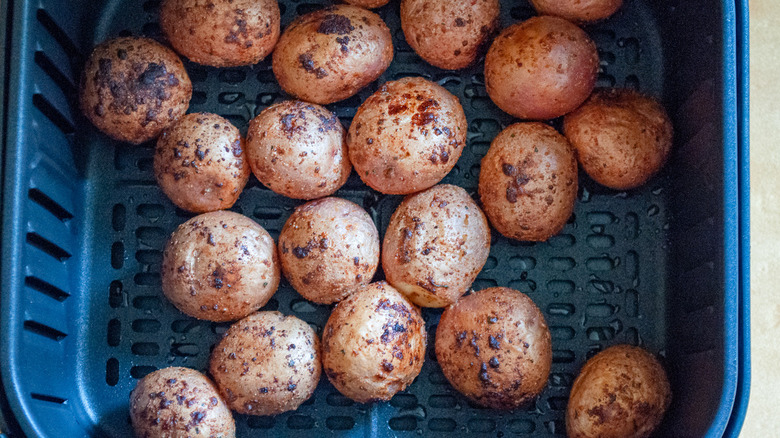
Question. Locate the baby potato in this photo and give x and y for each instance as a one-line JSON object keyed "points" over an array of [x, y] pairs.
{"points": [[435, 245], [220, 266], [221, 33], [449, 34], [407, 136], [622, 392], [622, 138], [132, 88], [494, 347], [373, 344], [266, 364], [370, 4], [581, 11], [199, 163], [298, 150], [528, 182], [330, 54], [174, 402], [541, 68], [329, 248]]}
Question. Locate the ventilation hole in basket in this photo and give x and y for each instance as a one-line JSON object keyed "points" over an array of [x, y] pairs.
{"points": [[563, 356], [522, 263], [407, 422], [442, 401], [116, 295], [340, 423], [560, 309], [442, 424], [219, 328], [114, 333], [605, 81], [62, 38], [56, 75], [267, 213], [46, 288], [558, 287], [145, 349], [48, 247], [300, 422], [561, 380], [117, 255], [632, 82], [190, 326], [601, 286], [405, 401], [151, 6], [299, 305], [521, 426], [146, 326], [562, 333], [600, 241], [53, 114], [150, 279], [266, 77], [49, 204], [256, 422], [145, 164], [48, 398], [481, 425], [523, 285], [232, 76], [437, 377], [601, 310], [152, 30], [562, 241], [555, 427], [562, 263], [631, 337], [521, 13], [150, 212], [602, 263], [230, 98], [44, 330], [606, 57], [557, 403], [146, 302], [184, 349], [112, 371], [151, 237], [150, 257], [338, 400], [599, 334], [141, 371]]}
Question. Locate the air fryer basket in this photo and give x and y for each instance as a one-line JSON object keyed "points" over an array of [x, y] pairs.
{"points": [[84, 225]]}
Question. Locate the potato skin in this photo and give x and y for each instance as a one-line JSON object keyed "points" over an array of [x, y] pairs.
{"points": [[622, 138], [622, 392], [373, 344], [435, 245], [220, 266], [298, 150], [132, 88], [329, 55], [495, 348], [581, 11], [199, 163], [266, 364], [449, 34], [329, 248], [407, 136], [221, 33], [541, 68], [370, 4], [179, 402]]}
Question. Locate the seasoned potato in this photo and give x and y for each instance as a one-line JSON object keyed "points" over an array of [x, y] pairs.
{"points": [[132, 88], [435, 245], [298, 150], [494, 347], [541, 68], [528, 182], [407, 136], [449, 34], [371, 4], [179, 402], [199, 163], [221, 33], [373, 344], [220, 266], [329, 248], [329, 55], [266, 364], [621, 392], [580, 11], [622, 137]]}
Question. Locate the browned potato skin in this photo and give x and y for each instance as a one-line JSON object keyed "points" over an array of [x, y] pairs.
{"points": [[370, 4], [407, 136], [132, 88], [298, 150], [541, 68], [494, 347], [329, 55], [622, 137], [581, 11], [621, 392], [221, 33], [435, 245], [449, 34], [373, 344], [329, 248], [199, 163], [528, 182], [266, 364], [220, 266], [179, 402]]}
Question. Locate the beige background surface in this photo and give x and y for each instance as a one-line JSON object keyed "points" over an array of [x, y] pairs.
{"points": [[763, 418]]}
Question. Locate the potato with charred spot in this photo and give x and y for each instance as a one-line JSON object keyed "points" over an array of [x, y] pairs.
{"points": [[495, 348], [329, 248], [435, 245], [132, 88], [449, 34], [407, 136], [373, 344], [266, 364], [199, 163], [580, 11], [622, 392], [528, 182], [298, 150], [174, 402], [330, 54], [220, 266]]}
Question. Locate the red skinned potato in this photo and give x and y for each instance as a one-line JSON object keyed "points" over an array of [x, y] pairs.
{"points": [[541, 68], [528, 182], [370, 4], [407, 136], [622, 138], [580, 11], [330, 54]]}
